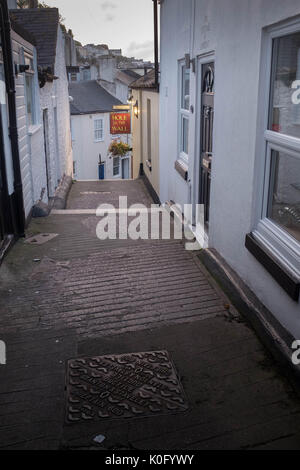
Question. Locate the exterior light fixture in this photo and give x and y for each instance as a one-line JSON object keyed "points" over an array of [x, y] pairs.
{"points": [[136, 109]]}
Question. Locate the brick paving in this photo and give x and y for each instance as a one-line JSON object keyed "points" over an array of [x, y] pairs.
{"points": [[76, 296]]}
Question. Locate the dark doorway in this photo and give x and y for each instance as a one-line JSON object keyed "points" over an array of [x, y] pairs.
{"points": [[207, 121], [47, 150]]}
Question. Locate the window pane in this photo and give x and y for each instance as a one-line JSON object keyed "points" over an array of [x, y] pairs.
{"points": [[116, 166], [98, 126], [185, 88], [284, 198], [185, 135], [284, 114], [29, 98]]}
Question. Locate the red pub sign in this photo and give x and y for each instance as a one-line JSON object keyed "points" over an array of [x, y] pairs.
{"points": [[120, 123]]}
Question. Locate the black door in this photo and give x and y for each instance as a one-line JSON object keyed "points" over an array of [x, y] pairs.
{"points": [[207, 120]]}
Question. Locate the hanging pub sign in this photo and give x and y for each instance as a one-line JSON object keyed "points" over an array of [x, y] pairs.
{"points": [[120, 123]]}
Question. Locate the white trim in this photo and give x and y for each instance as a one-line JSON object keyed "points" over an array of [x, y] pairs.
{"points": [[101, 129], [284, 141], [182, 114], [277, 240], [113, 166]]}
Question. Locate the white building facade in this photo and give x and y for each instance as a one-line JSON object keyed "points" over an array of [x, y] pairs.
{"points": [[221, 143], [91, 106], [91, 139]]}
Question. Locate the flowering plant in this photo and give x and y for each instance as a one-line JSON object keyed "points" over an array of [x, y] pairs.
{"points": [[118, 148]]}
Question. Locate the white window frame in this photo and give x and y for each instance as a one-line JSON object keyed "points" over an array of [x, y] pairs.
{"points": [[278, 241], [113, 166], [182, 114], [97, 129], [30, 74]]}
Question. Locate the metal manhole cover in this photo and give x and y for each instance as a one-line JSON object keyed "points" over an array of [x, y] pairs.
{"points": [[123, 386]]}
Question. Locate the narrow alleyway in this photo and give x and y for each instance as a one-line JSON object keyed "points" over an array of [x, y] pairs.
{"points": [[75, 296]]}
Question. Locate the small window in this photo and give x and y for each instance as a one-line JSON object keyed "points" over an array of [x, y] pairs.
{"points": [[116, 166], [98, 130], [73, 77], [184, 113], [30, 96], [185, 88], [74, 168]]}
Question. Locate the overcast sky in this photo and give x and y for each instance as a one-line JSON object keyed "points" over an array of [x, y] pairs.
{"points": [[125, 24]]}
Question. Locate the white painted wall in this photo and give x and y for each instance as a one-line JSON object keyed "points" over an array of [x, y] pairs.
{"points": [[86, 151], [31, 141], [233, 31], [56, 96]]}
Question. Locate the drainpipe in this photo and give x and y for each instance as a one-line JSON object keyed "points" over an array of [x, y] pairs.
{"points": [[17, 198], [156, 43]]}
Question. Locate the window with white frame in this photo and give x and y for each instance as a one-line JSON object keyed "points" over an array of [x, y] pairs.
{"points": [[184, 111], [116, 166], [98, 130], [279, 227], [30, 91]]}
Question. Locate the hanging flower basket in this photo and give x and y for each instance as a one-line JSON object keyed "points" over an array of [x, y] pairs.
{"points": [[119, 149]]}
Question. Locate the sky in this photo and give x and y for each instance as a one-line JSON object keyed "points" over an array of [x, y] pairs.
{"points": [[122, 24]]}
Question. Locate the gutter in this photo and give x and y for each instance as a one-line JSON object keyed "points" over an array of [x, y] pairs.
{"points": [[17, 198], [155, 13]]}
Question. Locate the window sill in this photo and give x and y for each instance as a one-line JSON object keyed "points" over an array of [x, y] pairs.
{"points": [[182, 169], [285, 279], [34, 129]]}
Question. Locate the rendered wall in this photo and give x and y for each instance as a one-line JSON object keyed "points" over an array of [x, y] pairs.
{"points": [[234, 34]]}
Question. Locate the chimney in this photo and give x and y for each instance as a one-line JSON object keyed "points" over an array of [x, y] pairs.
{"points": [[33, 3]]}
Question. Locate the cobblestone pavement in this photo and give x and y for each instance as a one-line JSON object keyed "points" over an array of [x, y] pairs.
{"points": [[75, 296]]}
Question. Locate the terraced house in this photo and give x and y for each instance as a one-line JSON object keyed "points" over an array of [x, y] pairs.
{"points": [[228, 77]]}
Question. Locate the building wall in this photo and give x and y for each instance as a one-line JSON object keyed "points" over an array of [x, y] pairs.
{"points": [[121, 91], [235, 36], [140, 137], [31, 141], [55, 98], [86, 151]]}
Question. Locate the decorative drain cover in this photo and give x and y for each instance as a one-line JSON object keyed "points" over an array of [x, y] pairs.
{"points": [[123, 386]]}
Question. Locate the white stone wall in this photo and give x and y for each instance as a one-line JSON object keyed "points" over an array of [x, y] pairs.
{"points": [[55, 95], [234, 33]]}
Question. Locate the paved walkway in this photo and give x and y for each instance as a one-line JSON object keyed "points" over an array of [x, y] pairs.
{"points": [[75, 296]]}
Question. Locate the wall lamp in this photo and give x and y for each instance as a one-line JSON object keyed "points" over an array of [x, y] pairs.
{"points": [[136, 109]]}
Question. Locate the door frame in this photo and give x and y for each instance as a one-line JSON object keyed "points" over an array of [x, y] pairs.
{"points": [[202, 59]]}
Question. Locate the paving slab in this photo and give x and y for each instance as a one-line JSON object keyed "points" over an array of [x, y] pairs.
{"points": [[76, 297]]}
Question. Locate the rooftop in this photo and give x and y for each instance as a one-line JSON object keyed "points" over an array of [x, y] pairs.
{"points": [[42, 24], [89, 97], [146, 81]]}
